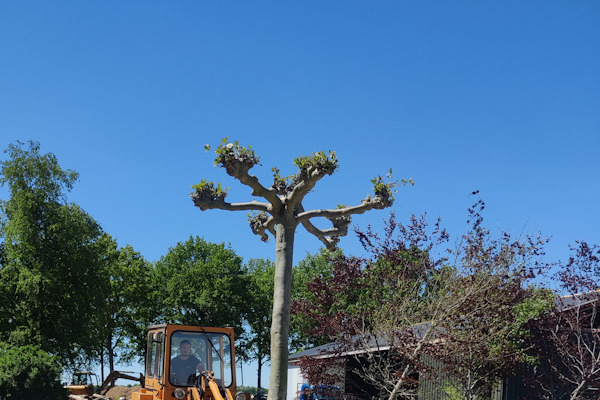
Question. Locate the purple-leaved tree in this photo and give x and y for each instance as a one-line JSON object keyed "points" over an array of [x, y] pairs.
{"points": [[416, 311], [568, 345]]}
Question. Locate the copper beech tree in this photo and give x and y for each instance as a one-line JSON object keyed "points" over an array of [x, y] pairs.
{"points": [[568, 342], [279, 215], [416, 311]]}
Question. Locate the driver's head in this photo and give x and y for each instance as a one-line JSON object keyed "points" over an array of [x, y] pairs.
{"points": [[185, 348]]}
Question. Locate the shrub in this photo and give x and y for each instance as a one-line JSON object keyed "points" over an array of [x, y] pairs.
{"points": [[27, 372]]}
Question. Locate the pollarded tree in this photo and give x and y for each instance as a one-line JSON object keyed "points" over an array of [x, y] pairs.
{"points": [[280, 214]]}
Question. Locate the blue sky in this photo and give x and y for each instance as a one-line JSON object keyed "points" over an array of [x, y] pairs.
{"points": [[501, 97]]}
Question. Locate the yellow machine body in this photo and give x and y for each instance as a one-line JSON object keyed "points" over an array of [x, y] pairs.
{"points": [[213, 347], [82, 383]]}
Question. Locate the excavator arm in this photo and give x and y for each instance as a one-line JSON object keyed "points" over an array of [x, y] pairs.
{"points": [[113, 376], [207, 379]]}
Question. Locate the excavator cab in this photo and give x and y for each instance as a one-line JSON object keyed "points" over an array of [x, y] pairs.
{"points": [[189, 362], [82, 384]]}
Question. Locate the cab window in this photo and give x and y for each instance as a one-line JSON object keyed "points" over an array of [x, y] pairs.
{"points": [[155, 354], [150, 355], [194, 352], [160, 354]]}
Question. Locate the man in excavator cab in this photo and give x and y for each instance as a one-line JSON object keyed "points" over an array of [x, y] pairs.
{"points": [[185, 365]]}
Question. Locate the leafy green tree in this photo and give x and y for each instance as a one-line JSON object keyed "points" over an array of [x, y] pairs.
{"points": [[250, 389], [280, 214], [201, 282], [50, 272], [127, 307], [258, 339], [5, 297], [28, 373]]}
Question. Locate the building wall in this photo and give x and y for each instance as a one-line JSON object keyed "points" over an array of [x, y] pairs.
{"points": [[295, 381], [435, 388]]}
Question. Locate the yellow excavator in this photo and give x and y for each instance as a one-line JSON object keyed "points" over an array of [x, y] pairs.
{"points": [[189, 362], [84, 384]]}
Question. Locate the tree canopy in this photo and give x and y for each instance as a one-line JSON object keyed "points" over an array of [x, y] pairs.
{"points": [[69, 296], [128, 308], [201, 283], [50, 270], [311, 267], [257, 341]]}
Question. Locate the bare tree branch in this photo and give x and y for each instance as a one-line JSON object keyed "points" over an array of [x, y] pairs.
{"points": [[366, 205], [262, 223], [220, 204], [259, 190], [305, 186], [328, 236]]}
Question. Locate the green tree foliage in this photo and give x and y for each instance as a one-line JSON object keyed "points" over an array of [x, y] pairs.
{"points": [[251, 389], [257, 341], [29, 373], [128, 307], [51, 275], [198, 282]]}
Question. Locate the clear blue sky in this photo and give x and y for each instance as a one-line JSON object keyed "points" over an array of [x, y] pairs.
{"points": [[499, 96]]}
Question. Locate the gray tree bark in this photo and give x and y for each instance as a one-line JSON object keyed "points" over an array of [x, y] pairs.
{"points": [[280, 327]]}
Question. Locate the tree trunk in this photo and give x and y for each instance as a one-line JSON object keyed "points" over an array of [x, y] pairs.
{"points": [[260, 363], [280, 326], [102, 364], [111, 355], [402, 380], [577, 391]]}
